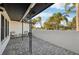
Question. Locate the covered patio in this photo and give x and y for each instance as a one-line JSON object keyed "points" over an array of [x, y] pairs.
{"points": [[28, 42], [20, 13]]}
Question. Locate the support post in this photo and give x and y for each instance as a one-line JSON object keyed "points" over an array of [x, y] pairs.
{"points": [[22, 29], [77, 17], [30, 37]]}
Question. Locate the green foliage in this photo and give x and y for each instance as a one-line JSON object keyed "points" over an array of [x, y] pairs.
{"points": [[36, 20], [73, 23], [48, 26], [54, 21], [70, 9], [39, 21]]}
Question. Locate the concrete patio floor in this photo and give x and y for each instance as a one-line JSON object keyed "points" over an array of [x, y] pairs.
{"points": [[17, 46]]}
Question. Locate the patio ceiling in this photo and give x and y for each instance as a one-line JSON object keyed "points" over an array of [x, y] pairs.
{"points": [[39, 7], [17, 11]]}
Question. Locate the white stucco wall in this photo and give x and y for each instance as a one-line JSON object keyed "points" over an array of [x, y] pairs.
{"points": [[17, 27], [13, 26], [4, 43], [65, 39]]}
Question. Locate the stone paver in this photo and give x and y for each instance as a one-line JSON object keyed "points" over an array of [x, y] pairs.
{"points": [[18, 46]]}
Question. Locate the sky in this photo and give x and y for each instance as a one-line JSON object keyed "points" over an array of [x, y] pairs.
{"points": [[57, 7]]}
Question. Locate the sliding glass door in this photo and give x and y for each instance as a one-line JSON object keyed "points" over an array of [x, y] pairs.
{"points": [[2, 27]]}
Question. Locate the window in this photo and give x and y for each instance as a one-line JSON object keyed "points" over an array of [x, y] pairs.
{"points": [[7, 27], [2, 27]]}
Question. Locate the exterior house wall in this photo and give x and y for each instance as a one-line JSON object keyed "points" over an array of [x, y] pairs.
{"points": [[13, 26], [5, 41], [17, 27]]}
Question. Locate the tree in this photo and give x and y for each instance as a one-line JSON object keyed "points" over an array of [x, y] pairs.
{"points": [[48, 26], [34, 21], [55, 20], [73, 23], [69, 8], [39, 21]]}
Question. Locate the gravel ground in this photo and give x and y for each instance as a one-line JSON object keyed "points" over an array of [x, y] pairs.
{"points": [[17, 46]]}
